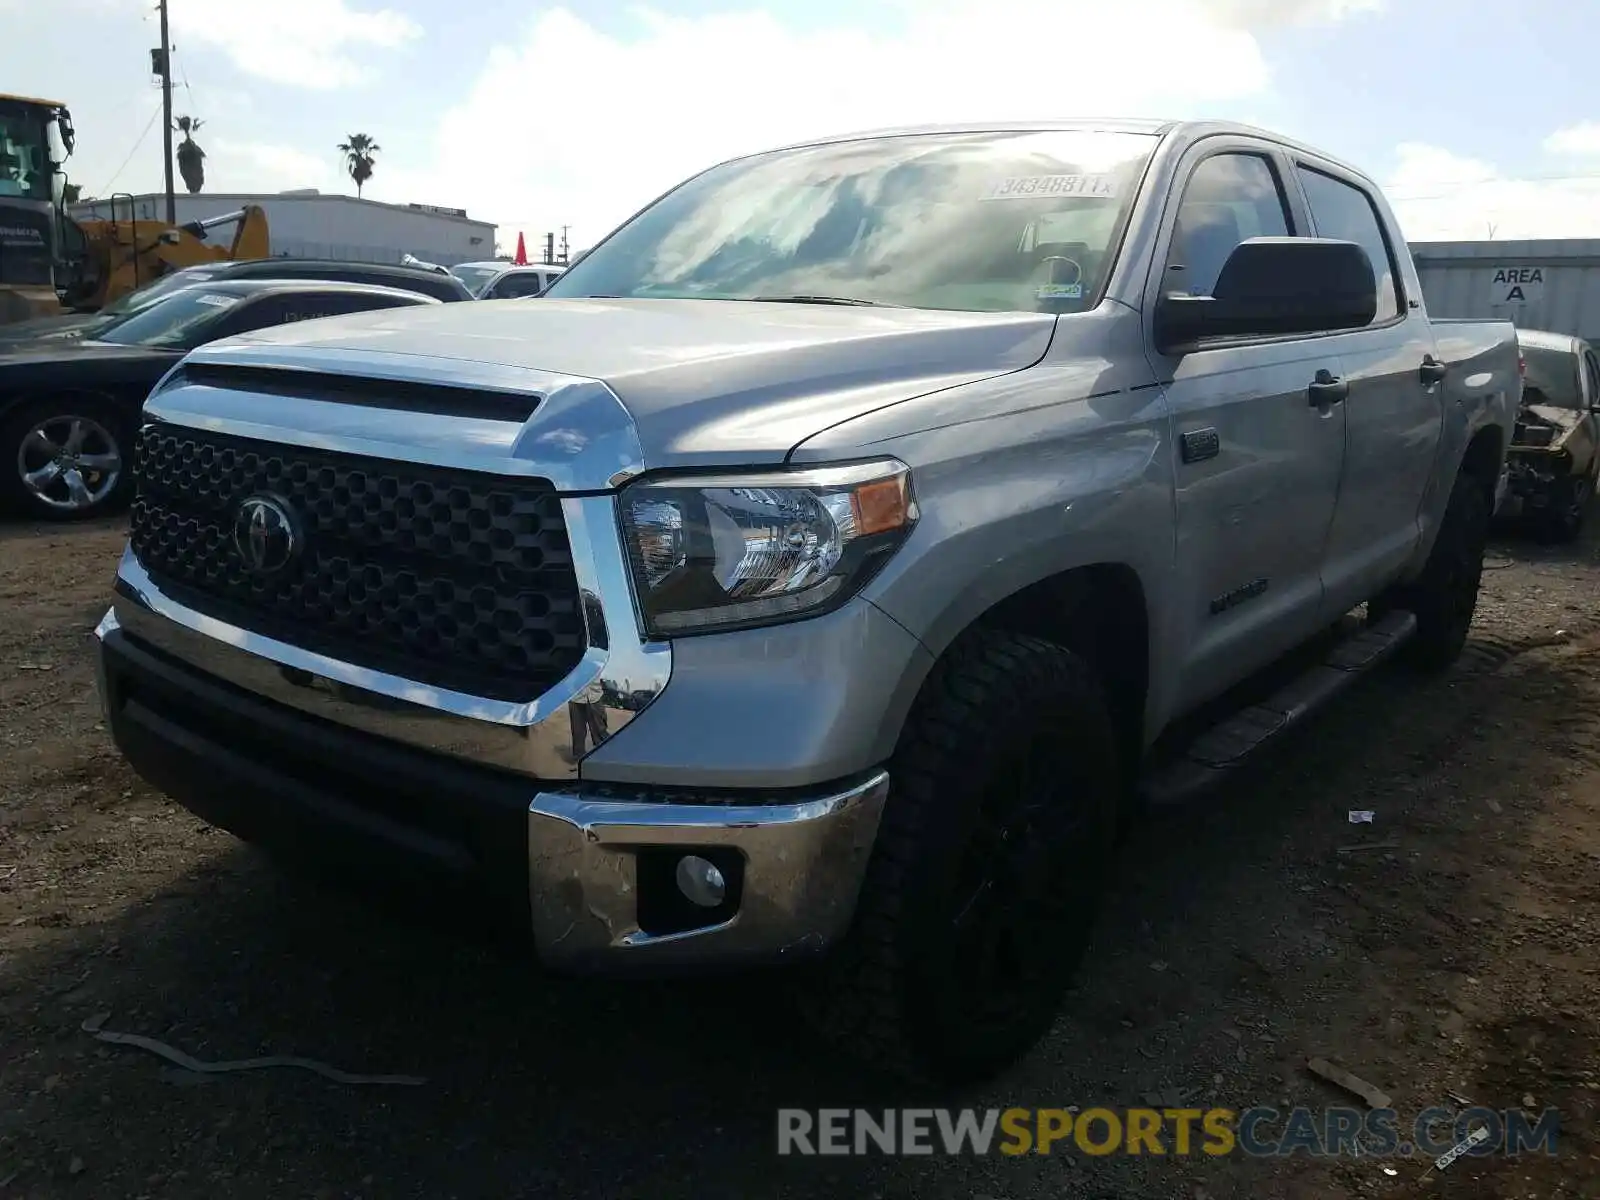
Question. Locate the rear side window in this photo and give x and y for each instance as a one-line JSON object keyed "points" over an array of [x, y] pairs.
{"points": [[334, 305], [1228, 199], [1340, 210]]}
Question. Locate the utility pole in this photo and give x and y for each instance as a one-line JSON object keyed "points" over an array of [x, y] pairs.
{"points": [[564, 245], [164, 62]]}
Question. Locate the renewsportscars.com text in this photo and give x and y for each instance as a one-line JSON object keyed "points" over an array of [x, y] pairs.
{"points": [[1179, 1132]]}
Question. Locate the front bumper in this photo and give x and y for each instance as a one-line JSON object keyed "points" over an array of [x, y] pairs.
{"points": [[590, 868]]}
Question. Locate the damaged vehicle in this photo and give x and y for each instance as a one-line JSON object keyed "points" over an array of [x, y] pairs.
{"points": [[1554, 458]]}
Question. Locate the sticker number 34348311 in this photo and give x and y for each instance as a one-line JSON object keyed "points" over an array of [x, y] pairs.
{"points": [[1026, 187]]}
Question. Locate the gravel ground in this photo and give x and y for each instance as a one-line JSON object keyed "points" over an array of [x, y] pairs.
{"points": [[1240, 942]]}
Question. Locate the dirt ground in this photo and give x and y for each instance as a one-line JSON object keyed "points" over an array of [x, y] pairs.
{"points": [[1243, 939]]}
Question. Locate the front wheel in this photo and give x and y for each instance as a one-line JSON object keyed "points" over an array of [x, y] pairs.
{"points": [[65, 459], [989, 864]]}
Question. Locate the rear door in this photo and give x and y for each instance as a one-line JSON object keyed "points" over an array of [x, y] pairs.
{"points": [[1258, 454], [1395, 409]]}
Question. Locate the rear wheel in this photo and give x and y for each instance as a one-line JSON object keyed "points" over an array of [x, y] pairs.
{"points": [[1445, 596], [989, 864], [66, 458]]}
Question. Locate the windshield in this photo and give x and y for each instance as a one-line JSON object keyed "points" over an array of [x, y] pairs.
{"points": [[178, 320], [475, 277], [988, 222], [130, 302], [1554, 375], [24, 151]]}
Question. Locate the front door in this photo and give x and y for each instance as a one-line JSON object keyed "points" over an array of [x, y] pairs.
{"points": [[1258, 449]]}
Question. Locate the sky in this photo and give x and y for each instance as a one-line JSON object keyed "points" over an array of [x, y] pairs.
{"points": [[536, 115]]}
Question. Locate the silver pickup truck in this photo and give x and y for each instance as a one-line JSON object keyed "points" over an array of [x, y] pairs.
{"points": [[828, 565]]}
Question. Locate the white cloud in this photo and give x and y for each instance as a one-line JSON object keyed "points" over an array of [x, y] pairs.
{"points": [[318, 44], [259, 167], [1582, 140], [573, 124], [1258, 14], [1439, 195]]}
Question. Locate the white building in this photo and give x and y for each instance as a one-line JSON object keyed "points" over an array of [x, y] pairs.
{"points": [[308, 224], [1551, 284]]}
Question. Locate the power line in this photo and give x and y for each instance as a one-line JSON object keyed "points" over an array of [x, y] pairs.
{"points": [[1582, 177], [147, 127]]}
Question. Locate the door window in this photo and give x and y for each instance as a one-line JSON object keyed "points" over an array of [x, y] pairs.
{"points": [[1591, 368], [1228, 199], [1341, 210], [250, 315], [528, 283]]}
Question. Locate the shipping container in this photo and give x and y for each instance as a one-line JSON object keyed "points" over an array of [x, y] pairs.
{"points": [[1549, 284]]}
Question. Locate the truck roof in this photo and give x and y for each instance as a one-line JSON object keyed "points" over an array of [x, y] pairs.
{"points": [[1186, 131], [32, 100]]}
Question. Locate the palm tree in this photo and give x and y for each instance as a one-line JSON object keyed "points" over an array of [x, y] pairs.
{"points": [[191, 159], [359, 152]]}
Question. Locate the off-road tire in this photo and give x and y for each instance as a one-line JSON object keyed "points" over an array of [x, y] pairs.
{"points": [[1445, 596], [1003, 722], [16, 424]]}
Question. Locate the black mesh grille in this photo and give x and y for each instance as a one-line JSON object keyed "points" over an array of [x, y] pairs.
{"points": [[449, 578]]}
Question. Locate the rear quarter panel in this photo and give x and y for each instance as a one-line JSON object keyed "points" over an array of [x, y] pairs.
{"points": [[1481, 393]]}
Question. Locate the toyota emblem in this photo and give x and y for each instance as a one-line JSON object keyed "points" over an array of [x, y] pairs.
{"points": [[266, 534]]}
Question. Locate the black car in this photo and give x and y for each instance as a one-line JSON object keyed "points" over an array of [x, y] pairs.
{"points": [[445, 288], [69, 406]]}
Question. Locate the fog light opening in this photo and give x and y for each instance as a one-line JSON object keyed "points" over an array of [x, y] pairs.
{"points": [[700, 881]]}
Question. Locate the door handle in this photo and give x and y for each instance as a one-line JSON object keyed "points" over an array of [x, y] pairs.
{"points": [[1327, 389], [1432, 370]]}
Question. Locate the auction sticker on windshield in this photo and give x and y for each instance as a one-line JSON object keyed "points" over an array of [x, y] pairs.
{"points": [[1027, 187], [217, 301]]}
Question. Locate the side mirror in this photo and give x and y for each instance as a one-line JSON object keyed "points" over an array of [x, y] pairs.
{"points": [[1275, 285]]}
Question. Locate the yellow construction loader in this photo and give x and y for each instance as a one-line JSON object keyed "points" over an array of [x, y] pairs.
{"points": [[50, 263], [120, 253]]}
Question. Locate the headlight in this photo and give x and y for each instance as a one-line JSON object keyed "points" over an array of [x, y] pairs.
{"points": [[719, 552]]}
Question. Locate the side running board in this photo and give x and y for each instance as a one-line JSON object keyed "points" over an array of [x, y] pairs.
{"points": [[1217, 751]]}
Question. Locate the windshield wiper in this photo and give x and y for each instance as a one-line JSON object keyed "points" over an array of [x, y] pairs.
{"points": [[823, 300]]}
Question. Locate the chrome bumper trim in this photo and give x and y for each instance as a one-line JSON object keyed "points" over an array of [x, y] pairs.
{"points": [[803, 866], [544, 737]]}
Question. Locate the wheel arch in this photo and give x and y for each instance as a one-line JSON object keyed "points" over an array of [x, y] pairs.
{"points": [[1099, 611]]}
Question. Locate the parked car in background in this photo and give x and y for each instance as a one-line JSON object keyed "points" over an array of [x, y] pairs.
{"points": [[69, 407], [1554, 463], [477, 274], [519, 282], [441, 287], [827, 565]]}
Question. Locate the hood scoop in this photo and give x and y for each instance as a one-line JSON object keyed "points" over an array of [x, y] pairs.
{"points": [[401, 395]]}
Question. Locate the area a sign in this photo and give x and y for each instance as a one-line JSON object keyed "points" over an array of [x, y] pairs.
{"points": [[1517, 285]]}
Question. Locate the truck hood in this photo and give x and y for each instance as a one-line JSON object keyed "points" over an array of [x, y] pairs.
{"points": [[706, 382]]}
